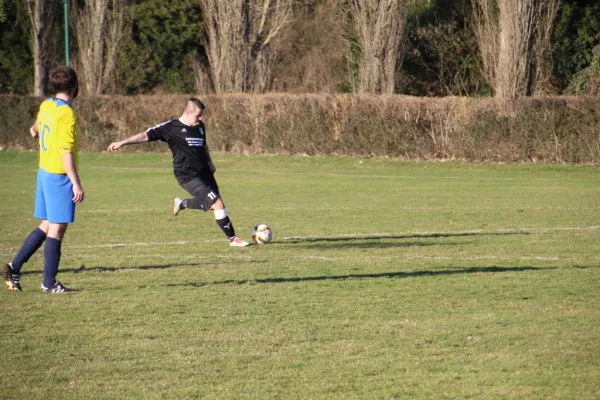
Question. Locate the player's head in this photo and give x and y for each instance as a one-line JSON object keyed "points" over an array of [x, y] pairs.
{"points": [[194, 111], [64, 80]]}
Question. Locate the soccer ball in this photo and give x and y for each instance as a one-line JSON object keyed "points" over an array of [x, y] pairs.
{"points": [[262, 234]]}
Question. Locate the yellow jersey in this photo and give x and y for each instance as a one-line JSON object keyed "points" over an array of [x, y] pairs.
{"points": [[58, 131]]}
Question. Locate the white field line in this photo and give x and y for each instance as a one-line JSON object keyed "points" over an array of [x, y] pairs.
{"points": [[167, 210], [135, 244], [345, 235], [242, 257], [115, 245], [239, 256], [442, 177]]}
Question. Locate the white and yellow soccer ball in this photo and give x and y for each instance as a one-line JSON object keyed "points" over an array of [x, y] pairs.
{"points": [[262, 234]]}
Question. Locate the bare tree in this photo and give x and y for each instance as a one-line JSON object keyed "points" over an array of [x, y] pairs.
{"points": [[380, 27], [514, 41], [542, 48], [224, 43], [312, 54], [486, 17], [100, 27], [42, 14], [239, 35]]}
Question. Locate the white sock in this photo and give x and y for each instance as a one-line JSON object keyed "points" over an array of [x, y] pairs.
{"points": [[220, 214]]}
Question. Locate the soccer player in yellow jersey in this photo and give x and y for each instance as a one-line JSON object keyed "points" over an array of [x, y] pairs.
{"points": [[58, 186]]}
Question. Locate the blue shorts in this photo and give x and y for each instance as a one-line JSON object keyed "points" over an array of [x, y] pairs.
{"points": [[54, 198]]}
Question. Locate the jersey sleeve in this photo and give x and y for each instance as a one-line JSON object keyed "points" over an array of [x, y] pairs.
{"points": [[159, 132], [67, 131]]}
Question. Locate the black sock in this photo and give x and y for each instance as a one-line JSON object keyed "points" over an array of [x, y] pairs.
{"points": [[226, 226], [31, 244], [51, 261]]}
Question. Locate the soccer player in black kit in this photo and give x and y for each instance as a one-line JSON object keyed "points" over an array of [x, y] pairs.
{"points": [[192, 164]]}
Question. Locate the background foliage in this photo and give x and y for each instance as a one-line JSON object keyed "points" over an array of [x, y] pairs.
{"points": [[316, 53], [576, 33], [16, 67], [166, 38], [552, 129], [443, 59]]}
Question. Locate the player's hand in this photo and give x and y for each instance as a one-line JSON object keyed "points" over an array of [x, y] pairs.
{"points": [[114, 146], [78, 193], [33, 132]]}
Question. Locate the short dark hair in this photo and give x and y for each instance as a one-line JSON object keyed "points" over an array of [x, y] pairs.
{"points": [[63, 79], [197, 102]]}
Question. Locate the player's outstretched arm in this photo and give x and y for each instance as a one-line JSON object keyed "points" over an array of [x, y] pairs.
{"points": [[135, 139]]}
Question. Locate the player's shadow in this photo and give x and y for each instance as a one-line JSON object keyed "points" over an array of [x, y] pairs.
{"points": [[83, 268], [433, 235], [381, 275], [385, 241], [372, 243]]}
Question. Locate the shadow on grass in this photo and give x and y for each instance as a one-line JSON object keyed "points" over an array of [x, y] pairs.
{"points": [[83, 268], [386, 241], [473, 270], [410, 236], [373, 243]]}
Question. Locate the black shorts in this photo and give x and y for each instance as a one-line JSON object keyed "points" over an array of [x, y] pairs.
{"points": [[205, 191]]}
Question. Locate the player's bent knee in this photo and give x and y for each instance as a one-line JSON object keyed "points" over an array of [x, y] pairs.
{"points": [[217, 205], [45, 226], [57, 231]]}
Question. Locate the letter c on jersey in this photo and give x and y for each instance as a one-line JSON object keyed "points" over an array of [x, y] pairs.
{"points": [[44, 130]]}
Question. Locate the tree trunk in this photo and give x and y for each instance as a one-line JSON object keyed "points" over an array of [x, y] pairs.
{"points": [[380, 27], [514, 41], [40, 70], [513, 77], [41, 16], [100, 26], [238, 42]]}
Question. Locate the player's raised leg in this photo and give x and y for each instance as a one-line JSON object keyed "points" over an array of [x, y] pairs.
{"points": [[192, 204], [177, 205], [226, 225]]}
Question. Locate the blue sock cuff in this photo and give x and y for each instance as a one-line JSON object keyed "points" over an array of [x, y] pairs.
{"points": [[39, 234]]}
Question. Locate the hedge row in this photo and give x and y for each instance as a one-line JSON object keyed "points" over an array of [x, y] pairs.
{"points": [[549, 129]]}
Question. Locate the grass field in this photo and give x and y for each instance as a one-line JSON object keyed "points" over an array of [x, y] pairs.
{"points": [[386, 280]]}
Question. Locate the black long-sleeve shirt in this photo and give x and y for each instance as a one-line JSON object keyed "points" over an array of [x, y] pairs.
{"points": [[188, 145]]}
